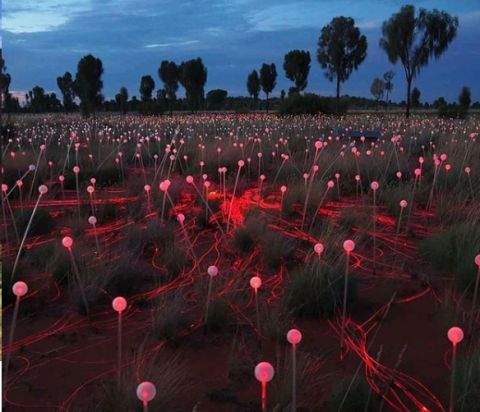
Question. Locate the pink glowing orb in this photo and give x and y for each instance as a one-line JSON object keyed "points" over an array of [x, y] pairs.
{"points": [[212, 271], [477, 260], [42, 189], [76, 169], [349, 246], [181, 218], [448, 167], [207, 184], [31, 168], [403, 203], [374, 186], [146, 392], [166, 184], [241, 163], [421, 160], [399, 175], [264, 372], [19, 183], [119, 304], [418, 172], [255, 282], [19, 289], [4, 188], [318, 248], [92, 220], [318, 144], [61, 178], [189, 179], [93, 181], [330, 184], [337, 176], [67, 242], [283, 189], [467, 170], [315, 168], [443, 157], [90, 189], [357, 178], [294, 336], [305, 176], [262, 177], [455, 335], [147, 188]]}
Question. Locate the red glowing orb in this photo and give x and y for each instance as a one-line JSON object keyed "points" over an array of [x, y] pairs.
{"points": [[19, 289], [67, 242], [349, 246], [264, 372], [212, 271], [294, 336], [146, 391], [119, 304], [255, 282], [455, 335]]}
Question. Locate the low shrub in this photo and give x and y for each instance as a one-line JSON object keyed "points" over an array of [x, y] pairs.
{"points": [[310, 103]]}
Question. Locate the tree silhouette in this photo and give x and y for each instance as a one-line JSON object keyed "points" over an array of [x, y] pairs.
{"points": [[5, 80], [387, 79], [168, 73], [216, 99], [40, 102], [147, 84], [464, 99], [88, 84], [414, 40], [341, 49], [253, 86], [193, 76], [377, 89], [297, 66], [65, 84], [268, 78], [415, 97], [122, 100]]}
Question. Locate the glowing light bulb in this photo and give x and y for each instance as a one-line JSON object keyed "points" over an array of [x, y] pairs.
{"points": [[181, 218], [146, 391], [418, 172], [42, 189], [255, 282], [330, 184], [455, 335], [241, 163], [294, 336], [318, 248], [67, 242], [349, 246], [119, 304], [92, 220], [90, 189], [374, 186], [20, 289], [283, 189], [76, 170], [189, 179], [212, 271], [147, 188], [264, 372], [403, 203]]}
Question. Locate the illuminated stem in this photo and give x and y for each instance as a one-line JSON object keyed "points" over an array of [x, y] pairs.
{"points": [[119, 349], [452, 379], [264, 396], [24, 237], [10, 337], [294, 378], [209, 294], [344, 310], [233, 196], [79, 281], [374, 231], [474, 303]]}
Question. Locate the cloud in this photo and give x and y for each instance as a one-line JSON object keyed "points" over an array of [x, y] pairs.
{"points": [[171, 44]]}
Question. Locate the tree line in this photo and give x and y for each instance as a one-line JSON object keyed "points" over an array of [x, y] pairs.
{"points": [[409, 37]]}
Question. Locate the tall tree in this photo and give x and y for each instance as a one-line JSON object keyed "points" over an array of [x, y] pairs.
{"points": [[122, 100], [193, 76], [415, 97], [168, 73], [341, 49], [464, 99], [377, 89], [297, 66], [65, 84], [147, 84], [5, 80], [415, 39], [216, 99], [268, 78], [387, 79], [88, 84], [253, 86]]}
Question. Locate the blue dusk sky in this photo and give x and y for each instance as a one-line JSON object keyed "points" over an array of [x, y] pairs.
{"points": [[44, 38]]}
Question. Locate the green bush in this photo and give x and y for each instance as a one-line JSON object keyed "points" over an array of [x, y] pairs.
{"points": [[454, 251], [357, 398], [317, 290], [310, 103]]}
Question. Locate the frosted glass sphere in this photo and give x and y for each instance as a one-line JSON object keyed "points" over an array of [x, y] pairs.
{"points": [[255, 282], [212, 271], [349, 245], [264, 372], [294, 336], [146, 392], [119, 304], [455, 335], [20, 289]]}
